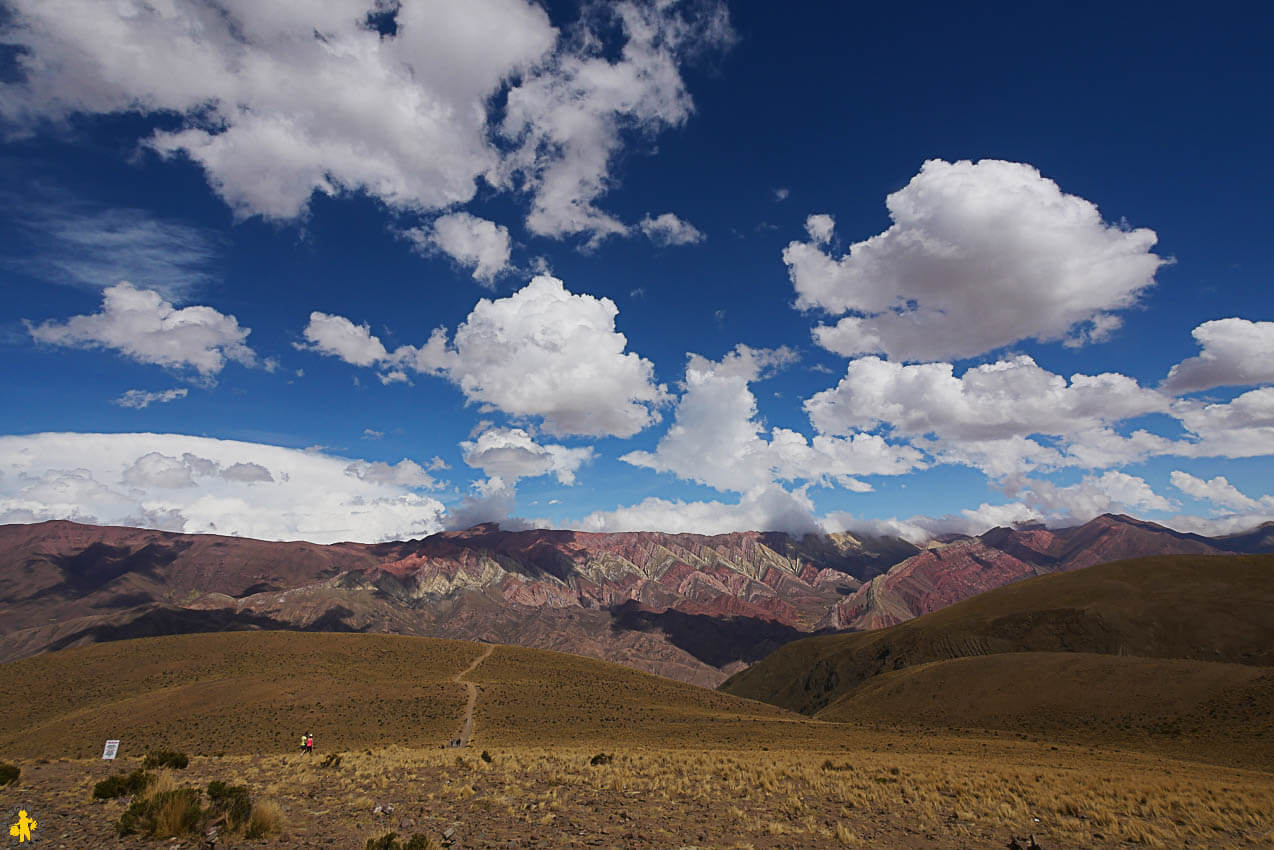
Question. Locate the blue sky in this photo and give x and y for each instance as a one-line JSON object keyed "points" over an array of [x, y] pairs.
{"points": [[694, 266]]}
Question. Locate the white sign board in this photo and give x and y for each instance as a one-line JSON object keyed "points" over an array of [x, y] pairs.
{"points": [[112, 747]]}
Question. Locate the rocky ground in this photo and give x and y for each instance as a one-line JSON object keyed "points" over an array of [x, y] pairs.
{"points": [[885, 790]]}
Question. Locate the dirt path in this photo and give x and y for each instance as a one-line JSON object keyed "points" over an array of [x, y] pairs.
{"points": [[466, 727]]}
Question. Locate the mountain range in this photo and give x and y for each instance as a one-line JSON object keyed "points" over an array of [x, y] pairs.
{"points": [[693, 607]]}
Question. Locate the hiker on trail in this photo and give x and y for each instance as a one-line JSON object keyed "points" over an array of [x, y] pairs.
{"points": [[309, 744], [303, 739]]}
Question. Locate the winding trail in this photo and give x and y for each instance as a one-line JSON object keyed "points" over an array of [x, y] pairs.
{"points": [[466, 726]]}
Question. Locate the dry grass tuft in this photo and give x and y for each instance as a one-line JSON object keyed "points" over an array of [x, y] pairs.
{"points": [[267, 818]]}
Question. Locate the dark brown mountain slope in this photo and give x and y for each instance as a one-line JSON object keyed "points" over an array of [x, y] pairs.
{"points": [[1201, 608]]}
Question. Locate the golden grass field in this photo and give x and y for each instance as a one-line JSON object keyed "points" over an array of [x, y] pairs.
{"points": [[691, 767]]}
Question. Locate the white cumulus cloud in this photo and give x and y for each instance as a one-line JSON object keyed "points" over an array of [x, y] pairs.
{"points": [[542, 352], [979, 256], [569, 120], [512, 453], [474, 243], [988, 416], [1241, 427], [140, 324], [1111, 491], [1236, 352], [770, 508], [278, 101], [716, 437], [667, 230], [1220, 492]]}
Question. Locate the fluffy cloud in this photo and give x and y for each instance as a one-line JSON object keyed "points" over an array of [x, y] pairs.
{"points": [[667, 229], [769, 508], [139, 399], [986, 417], [279, 101], [568, 121], [979, 255], [140, 324], [541, 352], [1095, 495], [1241, 427], [511, 453], [339, 337], [1235, 352], [492, 500], [1219, 491], [473, 242], [203, 485], [716, 436], [405, 473], [921, 529]]}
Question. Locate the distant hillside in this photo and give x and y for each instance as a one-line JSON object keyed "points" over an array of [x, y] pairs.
{"points": [[965, 567], [692, 607], [257, 692], [1195, 709], [1199, 608], [1170, 654]]}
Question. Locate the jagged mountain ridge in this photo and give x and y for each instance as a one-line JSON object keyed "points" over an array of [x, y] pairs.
{"points": [[693, 607], [943, 575]]}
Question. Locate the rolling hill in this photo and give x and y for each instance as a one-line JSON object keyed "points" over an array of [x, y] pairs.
{"points": [[257, 692], [1172, 653]]}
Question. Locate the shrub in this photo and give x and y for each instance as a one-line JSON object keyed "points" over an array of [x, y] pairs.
{"points": [[231, 800], [266, 819], [166, 758], [602, 758], [389, 841], [486, 756], [165, 815], [120, 785], [9, 773], [332, 760]]}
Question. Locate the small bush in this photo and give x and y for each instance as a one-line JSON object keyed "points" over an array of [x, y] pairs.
{"points": [[332, 760], [165, 815], [120, 785], [389, 841], [233, 801], [266, 819], [166, 758], [486, 756], [602, 758], [9, 773]]}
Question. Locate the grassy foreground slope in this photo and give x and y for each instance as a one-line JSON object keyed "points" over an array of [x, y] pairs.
{"points": [[233, 692], [257, 692], [1189, 607]]}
